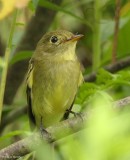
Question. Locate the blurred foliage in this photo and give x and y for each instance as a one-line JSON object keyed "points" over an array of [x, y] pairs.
{"points": [[106, 137], [107, 133], [8, 6]]}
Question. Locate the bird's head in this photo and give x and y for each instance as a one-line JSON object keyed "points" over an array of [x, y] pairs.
{"points": [[58, 42]]}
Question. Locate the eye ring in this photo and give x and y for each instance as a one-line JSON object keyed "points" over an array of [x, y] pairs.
{"points": [[54, 39]]}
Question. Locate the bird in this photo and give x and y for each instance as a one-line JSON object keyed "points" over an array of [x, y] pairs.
{"points": [[53, 78]]}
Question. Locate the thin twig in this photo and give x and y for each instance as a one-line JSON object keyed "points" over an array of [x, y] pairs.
{"points": [[123, 63], [12, 116], [117, 18]]}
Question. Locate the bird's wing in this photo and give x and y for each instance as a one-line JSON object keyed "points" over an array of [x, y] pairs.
{"points": [[81, 80], [29, 81]]}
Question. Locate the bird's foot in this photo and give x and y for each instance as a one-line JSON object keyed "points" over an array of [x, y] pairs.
{"points": [[74, 113]]}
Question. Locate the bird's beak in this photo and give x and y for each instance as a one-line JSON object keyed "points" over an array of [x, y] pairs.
{"points": [[75, 37]]}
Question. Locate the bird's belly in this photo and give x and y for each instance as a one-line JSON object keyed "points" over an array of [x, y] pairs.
{"points": [[55, 95], [52, 106]]}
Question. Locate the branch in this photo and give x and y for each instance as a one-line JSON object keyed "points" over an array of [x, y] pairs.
{"points": [[62, 129], [58, 131], [121, 64], [121, 103]]}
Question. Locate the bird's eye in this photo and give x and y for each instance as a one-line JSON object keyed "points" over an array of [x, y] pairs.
{"points": [[54, 39]]}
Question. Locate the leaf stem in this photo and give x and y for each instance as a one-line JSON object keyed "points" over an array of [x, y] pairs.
{"points": [[6, 62], [115, 38], [97, 35]]}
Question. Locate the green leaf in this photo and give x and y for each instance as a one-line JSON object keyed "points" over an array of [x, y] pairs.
{"points": [[19, 24], [123, 77], [123, 46], [124, 39], [85, 91], [21, 56], [106, 80], [35, 3], [11, 134], [107, 33], [104, 77], [55, 7]]}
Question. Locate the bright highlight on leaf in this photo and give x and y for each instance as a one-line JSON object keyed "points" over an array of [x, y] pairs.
{"points": [[125, 9], [7, 6]]}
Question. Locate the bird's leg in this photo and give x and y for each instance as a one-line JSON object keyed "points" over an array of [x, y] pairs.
{"points": [[44, 132], [42, 129], [68, 111]]}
